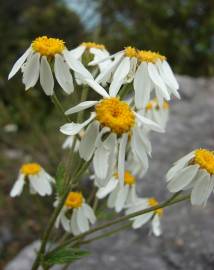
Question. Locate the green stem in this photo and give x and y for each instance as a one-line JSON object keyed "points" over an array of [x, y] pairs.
{"points": [[48, 231], [60, 108], [124, 218], [53, 218], [104, 235]]}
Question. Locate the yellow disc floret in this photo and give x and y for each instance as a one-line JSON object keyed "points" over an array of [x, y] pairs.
{"points": [[153, 104], [130, 52], [129, 179], [205, 159], [74, 200], [48, 46], [30, 169], [149, 56], [90, 45], [115, 114], [153, 202]]}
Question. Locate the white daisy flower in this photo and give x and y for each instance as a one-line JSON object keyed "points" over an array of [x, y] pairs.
{"points": [[97, 52], [194, 171], [119, 195], [39, 180], [36, 64], [155, 112], [148, 70], [153, 216], [76, 215], [108, 130]]}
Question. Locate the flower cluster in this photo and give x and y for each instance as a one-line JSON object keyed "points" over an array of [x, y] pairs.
{"points": [[113, 135]]}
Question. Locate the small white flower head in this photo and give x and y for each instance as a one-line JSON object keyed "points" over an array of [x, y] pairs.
{"points": [[37, 61], [39, 180], [153, 216], [107, 135], [155, 112], [76, 215], [92, 51], [194, 171], [148, 70], [119, 196]]}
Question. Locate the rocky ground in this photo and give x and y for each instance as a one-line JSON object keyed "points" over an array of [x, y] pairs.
{"points": [[188, 239]]}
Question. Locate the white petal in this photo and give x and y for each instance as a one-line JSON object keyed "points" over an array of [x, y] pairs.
{"points": [[65, 222], [89, 213], [106, 73], [74, 226], [174, 170], [119, 75], [76, 65], [63, 75], [121, 198], [142, 86], [74, 128], [18, 186], [141, 220], [46, 77], [31, 71], [82, 221], [156, 226], [87, 144], [121, 158], [100, 161], [40, 184], [98, 88], [81, 106], [116, 55], [112, 197], [159, 96], [143, 139], [169, 75], [77, 52], [183, 178], [151, 124], [186, 158], [155, 77], [104, 191], [138, 148], [19, 63], [132, 196], [202, 189]]}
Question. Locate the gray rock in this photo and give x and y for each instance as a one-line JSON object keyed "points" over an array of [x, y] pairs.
{"points": [[188, 239]]}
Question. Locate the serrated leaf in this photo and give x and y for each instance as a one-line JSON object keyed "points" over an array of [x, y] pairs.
{"points": [[64, 255], [60, 173]]}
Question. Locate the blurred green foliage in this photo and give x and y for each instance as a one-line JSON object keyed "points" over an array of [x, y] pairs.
{"points": [[183, 30]]}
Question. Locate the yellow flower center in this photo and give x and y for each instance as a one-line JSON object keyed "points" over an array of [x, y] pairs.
{"points": [[48, 46], [149, 56], [115, 114], [30, 169], [130, 52], [74, 200], [153, 202], [205, 159], [153, 104], [90, 45], [129, 179]]}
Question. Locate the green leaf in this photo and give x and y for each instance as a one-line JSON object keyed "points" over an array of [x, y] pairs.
{"points": [[60, 173], [64, 255]]}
